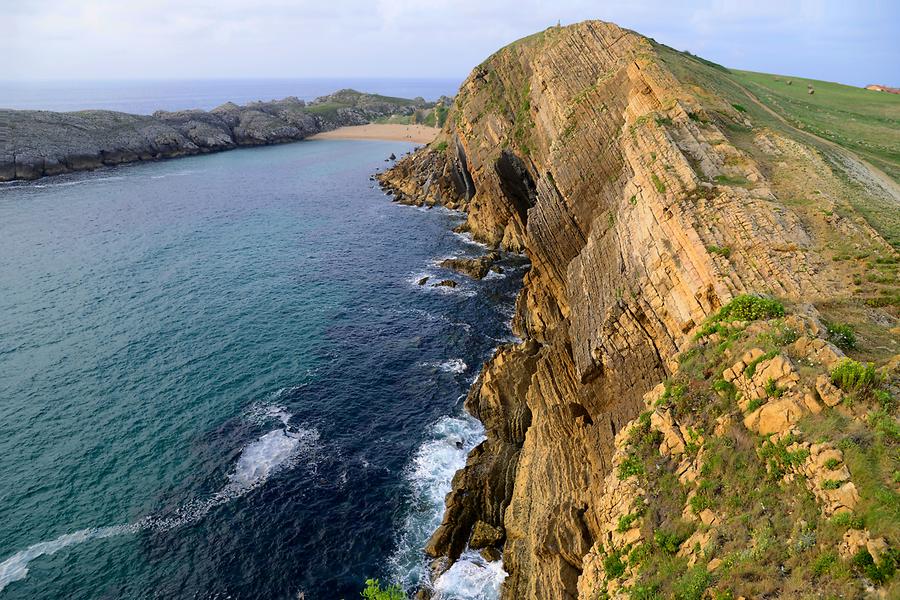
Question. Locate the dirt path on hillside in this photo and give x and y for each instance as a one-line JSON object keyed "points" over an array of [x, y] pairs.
{"points": [[867, 174]]}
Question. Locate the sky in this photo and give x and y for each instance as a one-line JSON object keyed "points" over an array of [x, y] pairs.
{"points": [[850, 41]]}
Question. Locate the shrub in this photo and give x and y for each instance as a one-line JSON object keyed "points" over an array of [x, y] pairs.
{"points": [[739, 108], [841, 335], [823, 563], [772, 390], [644, 591], [632, 465], [613, 565], [848, 520], [703, 498], [374, 591], [886, 400], [670, 541], [831, 484], [862, 562], [672, 394], [638, 554], [751, 308], [440, 147], [754, 404], [778, 458], [660, 186], [853, 376], [832, 463], [731, 180], [692, 585], [720, 250], [725, 388], [626, 521]]}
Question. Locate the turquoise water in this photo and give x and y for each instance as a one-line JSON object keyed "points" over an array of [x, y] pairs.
{"points": [[218, 378]]}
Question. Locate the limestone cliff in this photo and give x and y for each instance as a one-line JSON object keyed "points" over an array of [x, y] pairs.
{"points": [[646, 201], [38, 143]]}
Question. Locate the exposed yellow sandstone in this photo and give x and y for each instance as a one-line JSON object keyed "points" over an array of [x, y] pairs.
{"points": [[641, 218]]}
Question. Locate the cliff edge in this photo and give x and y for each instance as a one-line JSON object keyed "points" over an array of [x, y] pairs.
{"points": [[653, 198]]}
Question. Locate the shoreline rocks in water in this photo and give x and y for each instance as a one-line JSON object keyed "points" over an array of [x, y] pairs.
{"points": [[35, 143], [476, 268]]}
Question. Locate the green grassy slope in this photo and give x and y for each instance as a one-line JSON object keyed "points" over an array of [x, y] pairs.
{"points": [[864, 121]]}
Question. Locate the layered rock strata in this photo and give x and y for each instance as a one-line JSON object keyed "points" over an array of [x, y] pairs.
{"points": [[580, 147]]}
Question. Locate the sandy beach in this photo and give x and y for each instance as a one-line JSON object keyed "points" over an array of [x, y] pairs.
{"points": [[374, 131]]}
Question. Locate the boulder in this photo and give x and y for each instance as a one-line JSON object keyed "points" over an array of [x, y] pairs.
{"points": [[484, 535]]}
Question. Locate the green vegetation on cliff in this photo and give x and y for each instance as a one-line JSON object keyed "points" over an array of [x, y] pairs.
{"points": [[746, 522], [375, 591], [665, 208]]}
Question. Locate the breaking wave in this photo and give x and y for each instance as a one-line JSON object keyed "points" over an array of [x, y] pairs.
{"points": [[470, 578], [428, 476], [454, 365], [272, 452]]}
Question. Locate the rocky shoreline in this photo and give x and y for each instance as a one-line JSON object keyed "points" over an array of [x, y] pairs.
{"points": [[643, 216], [35, 144]]}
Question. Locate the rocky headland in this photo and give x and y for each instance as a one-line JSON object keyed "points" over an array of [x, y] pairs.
{"points": [[687, 413], [34, 144]]}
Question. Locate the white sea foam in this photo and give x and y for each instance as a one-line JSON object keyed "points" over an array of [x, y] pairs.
{"points": [[77, 182], [272, 452], [467, 238], [433, 279], [15, 567], [415, 278], [470, 578], [261, 412], [454, 365], [429, 476]]}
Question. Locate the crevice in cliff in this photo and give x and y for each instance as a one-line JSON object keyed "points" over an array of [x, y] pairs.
{"points": [[462, 178], [516, 183]]}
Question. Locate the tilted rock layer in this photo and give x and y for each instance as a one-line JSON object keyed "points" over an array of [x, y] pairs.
{"points": [[581, 148]]}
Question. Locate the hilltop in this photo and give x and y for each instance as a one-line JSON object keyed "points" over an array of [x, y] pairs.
{"points": [[704, 400]]}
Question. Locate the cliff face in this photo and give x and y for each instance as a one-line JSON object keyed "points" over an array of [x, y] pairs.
{"points": [[38, 143], [581, 147]]}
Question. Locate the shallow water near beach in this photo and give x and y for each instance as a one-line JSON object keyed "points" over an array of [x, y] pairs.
{"points": [[220, 379]]}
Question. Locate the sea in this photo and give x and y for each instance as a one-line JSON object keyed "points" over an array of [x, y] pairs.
{"points": [[146, 96], [220, 379]]}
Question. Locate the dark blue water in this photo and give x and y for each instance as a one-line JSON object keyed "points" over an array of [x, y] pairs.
{"points": [[144, 97], [218, 378]]}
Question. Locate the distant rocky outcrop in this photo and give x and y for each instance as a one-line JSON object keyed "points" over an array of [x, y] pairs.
{"points": [[38, 143]]}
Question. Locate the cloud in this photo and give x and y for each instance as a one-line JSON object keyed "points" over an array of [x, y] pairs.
{"points": [[300, 38]]}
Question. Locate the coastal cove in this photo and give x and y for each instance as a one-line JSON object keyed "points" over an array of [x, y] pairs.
{"points": [[224, 378]]}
